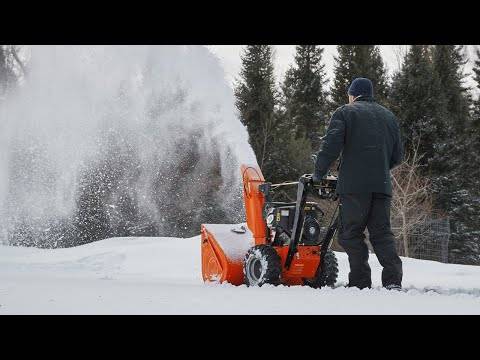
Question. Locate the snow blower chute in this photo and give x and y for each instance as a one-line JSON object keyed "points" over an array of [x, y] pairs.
{"points": [[282, 242]]}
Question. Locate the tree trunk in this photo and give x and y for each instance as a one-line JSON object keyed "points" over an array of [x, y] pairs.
{"points": [[405, 235]]}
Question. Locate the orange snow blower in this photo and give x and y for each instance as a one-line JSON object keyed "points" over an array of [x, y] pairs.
{"points": [[284, 242]]}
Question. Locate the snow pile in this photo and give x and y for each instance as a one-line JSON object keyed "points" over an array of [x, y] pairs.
{"points": [[163, 276], [234, 245]]}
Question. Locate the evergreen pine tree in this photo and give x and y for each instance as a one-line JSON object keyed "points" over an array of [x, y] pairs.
{"points": [[472, 136], [448, 63], [292, 154], [255, 99], [415, 99], [451, 167], [355, 61], [432, 104], [476, 104], [305, 99], [463, 181]]}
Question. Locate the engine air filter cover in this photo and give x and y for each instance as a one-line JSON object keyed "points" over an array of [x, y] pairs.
{"points": [[311, 231]]}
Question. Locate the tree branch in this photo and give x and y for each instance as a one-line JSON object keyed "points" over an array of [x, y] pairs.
{"points": [[14, 53]]}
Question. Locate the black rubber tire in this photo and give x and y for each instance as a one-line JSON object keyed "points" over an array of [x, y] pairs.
{"points": [[262, 265], [327, 273]]}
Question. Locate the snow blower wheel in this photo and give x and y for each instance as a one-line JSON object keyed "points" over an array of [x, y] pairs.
{"points": [[262, 265], [327, 273]]}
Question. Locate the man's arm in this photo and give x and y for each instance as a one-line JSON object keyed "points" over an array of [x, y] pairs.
{"points": [[397, 153], [332, 145]]}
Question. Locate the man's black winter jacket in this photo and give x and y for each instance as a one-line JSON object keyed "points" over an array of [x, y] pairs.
{"points": [[368, 137]]}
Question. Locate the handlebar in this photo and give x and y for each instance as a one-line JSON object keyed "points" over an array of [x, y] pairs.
{"points": [[325, 188]]}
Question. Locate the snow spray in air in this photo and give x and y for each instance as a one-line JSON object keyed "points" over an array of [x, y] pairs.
{"points": [[105, 141]]}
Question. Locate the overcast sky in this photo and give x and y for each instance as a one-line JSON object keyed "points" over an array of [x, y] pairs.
{"points": [[229, 56]]}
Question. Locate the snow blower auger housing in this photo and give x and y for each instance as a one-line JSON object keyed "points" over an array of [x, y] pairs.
{"points": [[284, 243]]}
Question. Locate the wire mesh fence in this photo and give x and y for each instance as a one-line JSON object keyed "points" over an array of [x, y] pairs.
{"points": [[427, 240]]}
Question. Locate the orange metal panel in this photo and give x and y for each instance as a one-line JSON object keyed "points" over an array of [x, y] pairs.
{"points": [[252, 177], [216, 266], [304, 264]]}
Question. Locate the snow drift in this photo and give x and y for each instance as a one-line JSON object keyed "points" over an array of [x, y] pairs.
{"points": [[163, 276]]}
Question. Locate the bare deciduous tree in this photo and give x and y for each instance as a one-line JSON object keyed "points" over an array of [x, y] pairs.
{"points": [[412, 200]]}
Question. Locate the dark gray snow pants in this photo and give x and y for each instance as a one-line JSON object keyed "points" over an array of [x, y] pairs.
{"points": [[372, 211]]}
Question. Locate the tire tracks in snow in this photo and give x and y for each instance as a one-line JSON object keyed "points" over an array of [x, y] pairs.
{"points": [[428, 290]]}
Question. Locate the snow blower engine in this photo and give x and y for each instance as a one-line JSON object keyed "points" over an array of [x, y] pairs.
{"points": [[285, 242]]}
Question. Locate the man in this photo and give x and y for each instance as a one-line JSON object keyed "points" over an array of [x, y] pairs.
{"points": [[368, 137]]}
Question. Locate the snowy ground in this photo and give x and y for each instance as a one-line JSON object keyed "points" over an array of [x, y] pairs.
{"points": [[163, 276]]}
